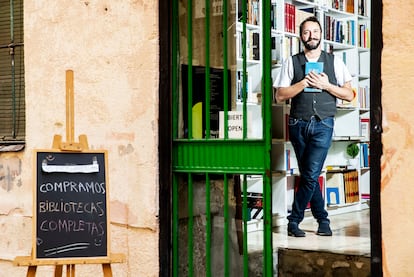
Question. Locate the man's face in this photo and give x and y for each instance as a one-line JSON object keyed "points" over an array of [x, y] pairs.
{"points": [[311, 35]]}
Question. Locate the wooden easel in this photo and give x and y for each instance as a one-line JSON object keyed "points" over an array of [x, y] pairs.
{"points": [[69, 263], [69, 145]]}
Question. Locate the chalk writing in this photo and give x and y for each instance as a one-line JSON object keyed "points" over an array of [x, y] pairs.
{"points": [[71, 207], [93, 228], [66, 248], [72, 186], [71, 210]]}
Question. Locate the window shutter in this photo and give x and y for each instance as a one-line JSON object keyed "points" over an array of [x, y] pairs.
{"points": [[12, 88]]}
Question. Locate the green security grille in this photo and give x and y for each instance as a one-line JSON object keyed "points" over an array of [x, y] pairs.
{"points": [[220, 156], [203, 45]]}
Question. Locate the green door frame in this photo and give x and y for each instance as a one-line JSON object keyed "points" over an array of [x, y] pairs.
{"points": [[166, 138]]}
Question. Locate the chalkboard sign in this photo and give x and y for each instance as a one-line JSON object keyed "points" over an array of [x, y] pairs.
{"points": [[71, 205]]}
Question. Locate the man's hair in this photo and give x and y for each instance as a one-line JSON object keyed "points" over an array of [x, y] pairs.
{"points": [[312, 19]]}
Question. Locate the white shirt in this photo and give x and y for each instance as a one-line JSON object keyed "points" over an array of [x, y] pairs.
{"points": [[285, 75]]}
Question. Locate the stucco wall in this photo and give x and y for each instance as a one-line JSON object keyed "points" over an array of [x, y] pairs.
{"points": [[397, 189], [112, 47]]}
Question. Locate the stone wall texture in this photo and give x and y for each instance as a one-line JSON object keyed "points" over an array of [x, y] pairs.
{"points": [[397, 162], [112, 48]]}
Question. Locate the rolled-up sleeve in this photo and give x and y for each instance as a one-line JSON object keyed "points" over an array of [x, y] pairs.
{"points": [[285, 76], [341, 72]]}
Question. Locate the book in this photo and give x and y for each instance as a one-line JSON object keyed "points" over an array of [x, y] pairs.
{"points": [[255, 205], [335, 189], [255, 46], [316, 67], [351, 186], [365, 159], [364, 128], [290, 15]]}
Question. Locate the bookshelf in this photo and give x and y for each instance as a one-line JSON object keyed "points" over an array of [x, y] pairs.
{"points": [[346, 25]]}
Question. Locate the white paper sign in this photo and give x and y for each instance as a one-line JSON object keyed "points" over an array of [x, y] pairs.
{"points": [[234, 124]]}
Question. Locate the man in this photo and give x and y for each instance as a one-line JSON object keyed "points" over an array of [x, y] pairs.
{"points": [[311, 119]]}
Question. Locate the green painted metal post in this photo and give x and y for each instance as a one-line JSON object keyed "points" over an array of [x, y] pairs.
{"points": [[190, 233], [190, 67], [244, 217], [175, 70], [175, 233], [207, 76], [226, 227], [225, 65], [267, 135], [208, 226], [207, 156], [244, 65]]}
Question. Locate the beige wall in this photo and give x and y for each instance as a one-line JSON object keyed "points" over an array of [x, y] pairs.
{"points": [[397, 189], [112, 47]]}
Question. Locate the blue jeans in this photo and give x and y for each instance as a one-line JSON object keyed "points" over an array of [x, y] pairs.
{"points": [[311, 141]]}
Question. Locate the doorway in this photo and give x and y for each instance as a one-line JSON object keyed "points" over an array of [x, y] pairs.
{"points": [[166, 152]]}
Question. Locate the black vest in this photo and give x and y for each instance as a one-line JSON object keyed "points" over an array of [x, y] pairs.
{"points": [[307, 104]]}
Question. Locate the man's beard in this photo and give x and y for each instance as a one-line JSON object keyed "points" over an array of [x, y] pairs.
{"points": [[310, 46]]}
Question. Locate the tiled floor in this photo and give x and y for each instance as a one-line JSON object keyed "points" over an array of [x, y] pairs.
{"points": [[351, 235]]}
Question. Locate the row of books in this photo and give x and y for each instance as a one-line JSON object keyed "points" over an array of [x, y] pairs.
{"points": [[252, 11], [363, 96], [342, 187], [335, 30], [252, 45], [291, 46], [241, 83], [294, 16], [363, 36], [361, 99], [343, 5], [290, 17], [362, 8], [341, 31]]}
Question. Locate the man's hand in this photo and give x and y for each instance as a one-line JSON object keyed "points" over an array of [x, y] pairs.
{"points": [[321, 81], [316, 80]]}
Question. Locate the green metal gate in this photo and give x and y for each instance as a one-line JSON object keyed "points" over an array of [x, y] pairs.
{"points": [[211, 168]]}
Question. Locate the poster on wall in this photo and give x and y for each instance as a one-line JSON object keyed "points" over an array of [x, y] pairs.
{"points": [[199, 99]]}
